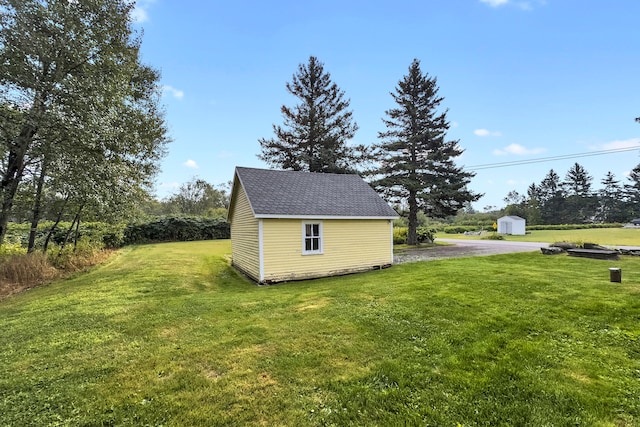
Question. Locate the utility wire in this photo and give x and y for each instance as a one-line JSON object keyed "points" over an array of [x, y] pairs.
{"points": [[548, 159]]}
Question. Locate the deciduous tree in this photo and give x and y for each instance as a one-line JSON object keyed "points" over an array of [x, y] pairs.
{"points": [[78, 101]]}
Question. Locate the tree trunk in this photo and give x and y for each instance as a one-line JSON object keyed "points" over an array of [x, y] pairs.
{"points": [[75, 237], [16, 162], [37, 207], [54, 226], [73, 223], [412, 235]]}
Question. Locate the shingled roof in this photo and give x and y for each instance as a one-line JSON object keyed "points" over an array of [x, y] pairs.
{"points": [[275, 193]]}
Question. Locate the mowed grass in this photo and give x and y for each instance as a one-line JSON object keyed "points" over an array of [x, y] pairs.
{"points": [[601, 236], [170, 335]]}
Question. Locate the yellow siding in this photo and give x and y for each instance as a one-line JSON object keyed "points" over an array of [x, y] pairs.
{"points": [[245, 253], [348, 246]]}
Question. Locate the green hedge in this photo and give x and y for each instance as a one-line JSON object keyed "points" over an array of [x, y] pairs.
{"points": [[572, 226], [425, 234], [459, 229], [98, 233], [176, 229], [105, 235]]}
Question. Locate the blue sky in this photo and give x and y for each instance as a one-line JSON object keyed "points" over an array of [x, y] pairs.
{"points": [[522, 80]]}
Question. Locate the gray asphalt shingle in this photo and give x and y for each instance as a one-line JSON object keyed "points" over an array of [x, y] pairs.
{"points": [[293, 193]]}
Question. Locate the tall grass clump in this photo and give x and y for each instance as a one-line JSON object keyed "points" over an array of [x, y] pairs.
{"points": [[22, 271]]}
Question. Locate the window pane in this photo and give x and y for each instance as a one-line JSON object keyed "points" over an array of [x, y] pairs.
{"points": [[316, 230], [316, 244], [307, 244], [307, 230]]}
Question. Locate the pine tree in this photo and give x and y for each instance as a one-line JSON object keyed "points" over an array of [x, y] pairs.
{"points": [[577, 182], [610, 200], [580, 202], [632, 192], [551, 199], [316, 131], [416, 160]]}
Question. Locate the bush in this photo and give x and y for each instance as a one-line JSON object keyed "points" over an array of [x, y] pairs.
{"points": [[425, 234], [10, 249], [493, 236], [459, 229], [573, 226], [400, 235], [177, 229]]}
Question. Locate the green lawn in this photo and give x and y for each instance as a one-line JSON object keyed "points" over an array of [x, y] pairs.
{"points": [[601, 236], [169, 335]]}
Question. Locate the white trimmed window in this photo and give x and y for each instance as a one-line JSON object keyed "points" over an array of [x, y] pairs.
{"points": [[311, 238]]}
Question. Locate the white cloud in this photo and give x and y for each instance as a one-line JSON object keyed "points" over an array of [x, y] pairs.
{"points": [[169, 185], [495, 3], [524, 5], [455, 124], [191, 164], [140, 12], [617, 145], [176, 93], [518, 150], [485, 132]]}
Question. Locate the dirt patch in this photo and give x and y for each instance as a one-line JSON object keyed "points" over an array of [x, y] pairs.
{"points": [[433, 253], [464, 248]]}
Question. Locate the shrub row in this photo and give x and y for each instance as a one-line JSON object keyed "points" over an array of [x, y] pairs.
{"points": [[98, 234], [103, 235], [176, 229], [425, 234], [572, 226], [459, 229]]}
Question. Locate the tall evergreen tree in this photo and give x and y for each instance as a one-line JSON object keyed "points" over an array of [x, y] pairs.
{"points": [[632, 193], [316, 131], [551, 199], [577, 182], [611, 207], [416, 160], [580, 203]]}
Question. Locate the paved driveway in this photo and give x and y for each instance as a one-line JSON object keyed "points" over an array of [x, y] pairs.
{"points": [[465, 248]]}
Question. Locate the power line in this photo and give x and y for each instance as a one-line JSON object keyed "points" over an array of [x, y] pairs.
{"points": [[548, 159]]}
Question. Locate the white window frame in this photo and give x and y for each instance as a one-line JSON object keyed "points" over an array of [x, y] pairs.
{"points": [[320, 238]]}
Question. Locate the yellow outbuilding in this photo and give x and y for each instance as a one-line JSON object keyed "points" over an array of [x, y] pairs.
{"points": [[291, 225]]}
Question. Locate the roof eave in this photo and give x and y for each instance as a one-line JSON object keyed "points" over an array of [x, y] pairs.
{"points": [[280, 216]]}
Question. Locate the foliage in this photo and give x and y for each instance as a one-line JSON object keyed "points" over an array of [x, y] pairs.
{"points": [[572, 226], [416, 162], [198, 198], [492, 236], [400, 235], [425, 235], [171, 335], [316, 131], [84, 132], [458, 229], [572, 200], [176, 229], [99, 234]]}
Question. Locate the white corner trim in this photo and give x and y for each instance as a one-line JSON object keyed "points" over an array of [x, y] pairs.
{"points": [[391, 226], [261, 250]]}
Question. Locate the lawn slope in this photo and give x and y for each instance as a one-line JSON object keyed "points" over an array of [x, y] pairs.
{"points": [[169, 334]]}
